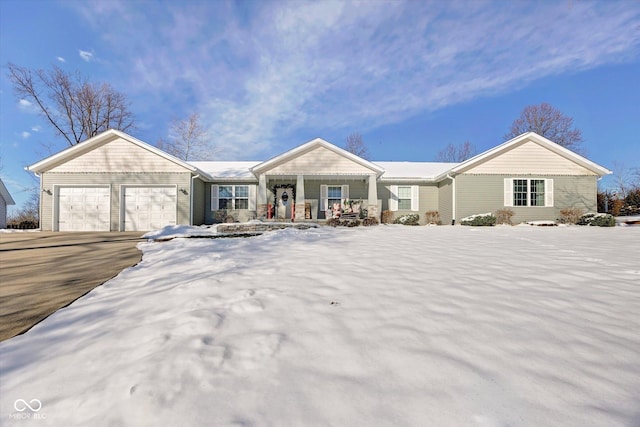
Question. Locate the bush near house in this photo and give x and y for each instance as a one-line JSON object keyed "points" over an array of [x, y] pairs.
{"points": [[432, 218], [597, 220], [368, 222], [503, 216], [409, 219], [479, 220], [570, 215], [337, 222], [387, 217]]}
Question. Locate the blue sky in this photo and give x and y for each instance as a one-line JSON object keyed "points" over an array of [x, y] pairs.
{"points": [[411, 77]]}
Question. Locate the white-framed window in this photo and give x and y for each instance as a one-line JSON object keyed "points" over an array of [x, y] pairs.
{"points": [[404, 197], [232, 197], [528, 192], [330, 194]]}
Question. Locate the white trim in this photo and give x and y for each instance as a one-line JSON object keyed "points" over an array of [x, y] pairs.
{"points": [[215, 192], [508, 192], [393, 198], [345, 191], [548, 192], [415, 198]]}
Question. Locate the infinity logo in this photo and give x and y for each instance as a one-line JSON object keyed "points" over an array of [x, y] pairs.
{"points": [[21, 405]]}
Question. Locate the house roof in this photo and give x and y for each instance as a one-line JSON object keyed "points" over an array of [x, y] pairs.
{"points": [[304, 148], [226, 169], [540, 140], [5, 194], [414, 170], [98, 140]]}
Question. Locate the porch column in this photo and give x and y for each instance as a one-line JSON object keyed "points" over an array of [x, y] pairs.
{"points": [[262, 196], [300, 198], [372, 203]]}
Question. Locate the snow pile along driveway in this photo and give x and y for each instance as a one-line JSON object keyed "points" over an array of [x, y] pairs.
{"points": [[385, 326]]}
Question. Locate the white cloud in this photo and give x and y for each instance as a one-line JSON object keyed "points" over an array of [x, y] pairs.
{"points": [[85, 55], [263, 72], [25, 135], [27, 106], [36, 128], [61, 59]]}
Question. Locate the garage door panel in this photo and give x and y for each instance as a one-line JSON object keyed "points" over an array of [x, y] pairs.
{"points": [[148, 208], [84, 209]]}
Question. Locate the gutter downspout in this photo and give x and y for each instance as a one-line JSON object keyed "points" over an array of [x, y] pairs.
{"points": [[191, 199], [453, 199]]}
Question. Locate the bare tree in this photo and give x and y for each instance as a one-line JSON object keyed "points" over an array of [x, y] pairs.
{"points": [[355, 145], [188, 139], [29, 212], [548, 121], [457, 153], [75, 107]]}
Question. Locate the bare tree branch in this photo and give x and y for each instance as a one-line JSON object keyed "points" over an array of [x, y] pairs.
{"points": [[355, 145], [76, 108], [456, 153], [547, 121], [188, 140]]}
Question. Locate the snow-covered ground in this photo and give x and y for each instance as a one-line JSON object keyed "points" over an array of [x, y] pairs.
{"points": [[381, 326]]}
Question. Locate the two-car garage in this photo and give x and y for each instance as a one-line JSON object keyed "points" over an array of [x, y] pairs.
{"points": [[88, 208]]}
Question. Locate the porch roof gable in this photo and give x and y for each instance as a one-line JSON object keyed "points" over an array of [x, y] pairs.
{"points": [[314, 144]]}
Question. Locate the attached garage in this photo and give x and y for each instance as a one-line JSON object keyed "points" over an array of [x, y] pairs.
{"points": [[149, 207], [82, 208]]}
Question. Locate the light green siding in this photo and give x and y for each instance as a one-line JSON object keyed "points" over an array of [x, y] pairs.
{"points": [[428, 199], [476, 194], [115, 181], [198, 201], [445, 201]]}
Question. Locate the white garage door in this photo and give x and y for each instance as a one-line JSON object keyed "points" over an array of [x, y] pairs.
{"points": [[149, 208], [84, 208]]}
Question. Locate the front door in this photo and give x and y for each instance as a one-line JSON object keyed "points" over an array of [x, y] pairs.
{"points": [[284, 202]]}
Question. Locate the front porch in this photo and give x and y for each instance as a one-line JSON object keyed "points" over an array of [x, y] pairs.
{"points": [[312, 197]]}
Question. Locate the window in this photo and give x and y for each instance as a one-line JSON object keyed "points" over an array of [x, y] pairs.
{"points": [[528, 192], [330, 194], [537, 192], [229, 197], [334, 195], [404, 198], [520, 192]]}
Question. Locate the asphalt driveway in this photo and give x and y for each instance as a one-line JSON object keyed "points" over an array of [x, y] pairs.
{"points": [[41, 272]]}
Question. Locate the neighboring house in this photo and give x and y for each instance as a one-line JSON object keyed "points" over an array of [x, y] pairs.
{"points": [[5, 200], [116, 182]]}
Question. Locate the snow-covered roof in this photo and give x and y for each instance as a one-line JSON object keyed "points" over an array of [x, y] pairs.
{"points": [[392, 170], [417, 170], [224, 169]]}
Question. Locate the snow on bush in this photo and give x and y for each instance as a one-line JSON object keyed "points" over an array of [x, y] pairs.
{"points": [[478, 220], [597, 219], [409, 219]]}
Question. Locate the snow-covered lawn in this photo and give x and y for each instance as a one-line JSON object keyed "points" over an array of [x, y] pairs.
{"points": [[382, 326]]}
